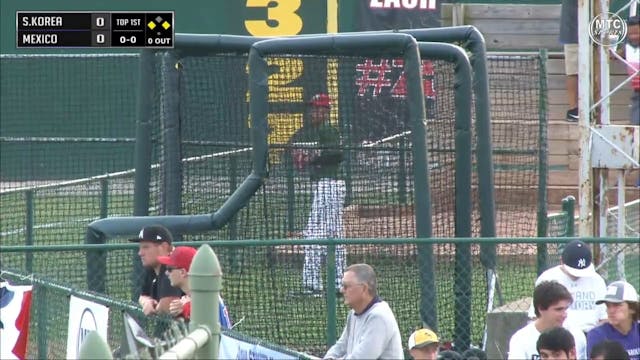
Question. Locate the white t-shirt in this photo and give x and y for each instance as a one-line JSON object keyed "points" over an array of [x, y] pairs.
{"points": [[583, 312], [522, 345]]}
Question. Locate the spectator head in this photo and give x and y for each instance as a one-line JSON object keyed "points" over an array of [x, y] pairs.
{"points": [[551, 301], [424, 344], [178, 264], [319, 107], [474, 354], [609, 350], [154, 240], [556, 343], [622, 303], [449, 355], [359, 286], [576, 259]]}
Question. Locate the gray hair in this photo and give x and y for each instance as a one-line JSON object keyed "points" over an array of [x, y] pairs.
{"points": [[365, 275]]}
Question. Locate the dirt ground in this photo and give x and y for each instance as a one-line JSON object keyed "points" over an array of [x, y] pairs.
{"points": [[398, 222]]}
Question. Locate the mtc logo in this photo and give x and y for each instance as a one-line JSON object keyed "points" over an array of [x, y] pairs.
{"points": [[607, 29]]}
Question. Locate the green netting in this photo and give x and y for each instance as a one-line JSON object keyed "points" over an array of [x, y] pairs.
{"points": [[370, 115], [65, 119], [517, 119], [369, 110], [211, 102]]}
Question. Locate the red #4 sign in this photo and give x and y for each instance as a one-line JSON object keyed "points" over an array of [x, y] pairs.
{"points": [[377, 76]]}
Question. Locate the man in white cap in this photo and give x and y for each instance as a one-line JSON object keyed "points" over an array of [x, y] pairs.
{"points": [[424, 344], [623, 309], [577, 274]]}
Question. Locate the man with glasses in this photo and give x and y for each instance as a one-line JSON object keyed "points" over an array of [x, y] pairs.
{"points": [[371, 330], [178, 265]]}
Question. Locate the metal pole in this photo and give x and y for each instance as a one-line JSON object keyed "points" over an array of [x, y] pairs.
{"points": [[605, 108], [621, 223], [30, 214], [568, 206], [603, 174], [584, 115], [94, 347], [104, 198], [205, 278], [331, 295]]}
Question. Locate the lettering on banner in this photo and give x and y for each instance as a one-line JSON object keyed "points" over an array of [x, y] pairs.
{"points": [[251, 355], [403, 4], [375, 77]]}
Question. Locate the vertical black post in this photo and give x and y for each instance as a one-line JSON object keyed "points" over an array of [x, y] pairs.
{"points": [[291, 193], [42, 331], [144, 131], [542, 162], [104, 198], [96, 262], [30, 214], [422, 191], [402, 171], [331, 295], [143, 150], [170, 153], [347, 136], [233, 223], [568, 207], [464, 263]]}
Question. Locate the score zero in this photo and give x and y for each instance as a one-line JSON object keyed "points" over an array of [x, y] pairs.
{"points": [[126, 22]]}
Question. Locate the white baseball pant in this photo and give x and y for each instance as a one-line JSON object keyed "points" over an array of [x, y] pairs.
{"points": [[325, 222]]}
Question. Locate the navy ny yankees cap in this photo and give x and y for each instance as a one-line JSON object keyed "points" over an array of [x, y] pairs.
{"points": [[576, 258]]}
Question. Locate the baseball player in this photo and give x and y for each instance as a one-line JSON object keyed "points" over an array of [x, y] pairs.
{"points": [[316, 150]]}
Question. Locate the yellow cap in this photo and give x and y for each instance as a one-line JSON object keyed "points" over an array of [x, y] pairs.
{"points": [[422, 337]]}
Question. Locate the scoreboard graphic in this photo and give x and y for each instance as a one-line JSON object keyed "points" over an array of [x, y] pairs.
{"points": [[114, 29]]}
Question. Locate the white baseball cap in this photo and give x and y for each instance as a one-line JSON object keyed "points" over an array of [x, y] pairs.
{"points": [[422, 337], [619, 291]]}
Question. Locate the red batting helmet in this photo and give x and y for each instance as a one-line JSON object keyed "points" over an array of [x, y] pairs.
{"points": [[320, 99]]}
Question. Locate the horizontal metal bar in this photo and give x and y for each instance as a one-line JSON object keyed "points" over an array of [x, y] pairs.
{"points": [[99, 298], [354, 241], [187, 346]]}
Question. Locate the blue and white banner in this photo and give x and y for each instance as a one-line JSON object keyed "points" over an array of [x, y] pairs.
{"points": [[231, 348], [85, 316], [15, 305]]}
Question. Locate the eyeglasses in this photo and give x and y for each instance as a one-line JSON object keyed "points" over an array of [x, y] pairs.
{"points": [[346, 286]]}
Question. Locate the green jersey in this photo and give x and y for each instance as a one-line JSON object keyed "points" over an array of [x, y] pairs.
{"points": [[323, 146]]}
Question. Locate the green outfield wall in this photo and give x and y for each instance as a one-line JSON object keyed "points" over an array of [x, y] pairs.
{"points": [[238, 17]]}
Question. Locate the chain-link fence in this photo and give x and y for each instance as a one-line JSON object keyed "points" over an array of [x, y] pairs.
{"points": [[614, 261], [261, 279]]}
